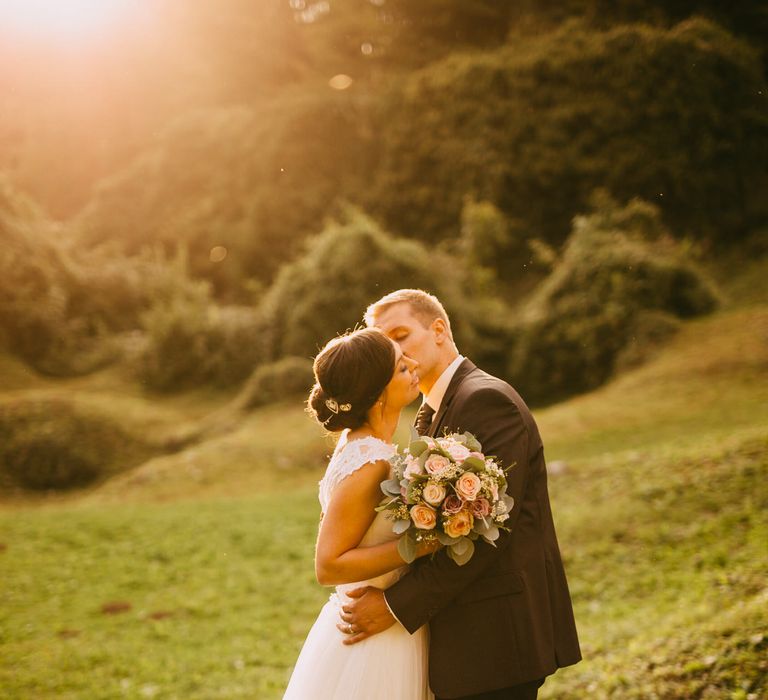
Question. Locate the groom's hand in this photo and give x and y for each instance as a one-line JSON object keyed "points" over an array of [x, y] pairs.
{"points": [[365, 616]]}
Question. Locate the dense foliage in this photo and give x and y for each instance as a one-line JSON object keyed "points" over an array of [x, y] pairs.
{"points": [[621, 282], [283, 379], [675, 116], [253, 181], [345, 268], [58, 444]]}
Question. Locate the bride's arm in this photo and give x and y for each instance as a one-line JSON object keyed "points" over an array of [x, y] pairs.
{"points": [[339, 558]]}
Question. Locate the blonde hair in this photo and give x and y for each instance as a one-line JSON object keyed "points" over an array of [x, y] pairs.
{"points": [[425, 306]]}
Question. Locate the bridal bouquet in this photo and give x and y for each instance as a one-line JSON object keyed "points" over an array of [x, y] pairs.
{"points": [[446, 489]]}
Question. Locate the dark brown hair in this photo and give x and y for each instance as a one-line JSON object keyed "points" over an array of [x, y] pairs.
{"points": [[351, 372]]}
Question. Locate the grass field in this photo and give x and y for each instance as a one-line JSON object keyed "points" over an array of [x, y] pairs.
{"points": [[191, 576]]}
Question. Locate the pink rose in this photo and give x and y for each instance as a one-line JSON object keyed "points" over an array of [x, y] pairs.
{"points": [[459, 525], [481, 508], [458, 451], [433, 493], [424, 517], [479, 455], [412, 468], [468, 486], [453, 504], [436, 464]]}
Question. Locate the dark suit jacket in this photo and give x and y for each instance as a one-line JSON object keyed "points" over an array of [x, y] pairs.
{"points": [[505, 617]]}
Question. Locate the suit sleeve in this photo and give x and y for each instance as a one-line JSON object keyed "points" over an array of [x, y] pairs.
{"points": [[496, 422]]}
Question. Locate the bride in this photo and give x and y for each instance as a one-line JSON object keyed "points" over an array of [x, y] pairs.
{"points": [[363, 381]]}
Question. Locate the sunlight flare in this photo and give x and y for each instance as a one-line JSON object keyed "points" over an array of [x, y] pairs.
{"points": [[63, 19]]}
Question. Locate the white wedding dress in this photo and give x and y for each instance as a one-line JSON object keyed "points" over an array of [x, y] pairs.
{"points": [[392, 664]]}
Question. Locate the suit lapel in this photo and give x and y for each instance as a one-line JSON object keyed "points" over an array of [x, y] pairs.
{"points": [[463, 370]]}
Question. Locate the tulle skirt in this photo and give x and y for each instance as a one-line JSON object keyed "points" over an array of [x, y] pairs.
{"points": [[392, 664]]}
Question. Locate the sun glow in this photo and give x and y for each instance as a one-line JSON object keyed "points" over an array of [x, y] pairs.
{"points": [[62, 19]]}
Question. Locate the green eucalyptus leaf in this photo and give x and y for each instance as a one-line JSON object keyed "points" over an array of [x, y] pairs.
{"points": [[406, 547], [391, 487], [473, 464], [401, 526], [446, 540], [464, 555]]}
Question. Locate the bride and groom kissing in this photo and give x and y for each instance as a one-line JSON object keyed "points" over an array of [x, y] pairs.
{"points": [[492, 628]]}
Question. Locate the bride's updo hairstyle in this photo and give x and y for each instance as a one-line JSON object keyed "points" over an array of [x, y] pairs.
{"points": [[351, 372]]}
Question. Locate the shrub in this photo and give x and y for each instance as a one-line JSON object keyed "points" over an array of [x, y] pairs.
{"points": [[675, 116], [190, 340], [286, 378], [56, 444], [620, 277], [345, 268], [60, 306]]}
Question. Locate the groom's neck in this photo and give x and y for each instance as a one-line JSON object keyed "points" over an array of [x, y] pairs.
{"points": [[427, 382]]}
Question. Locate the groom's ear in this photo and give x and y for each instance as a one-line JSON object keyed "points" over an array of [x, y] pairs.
{"points": [[440, 331]]}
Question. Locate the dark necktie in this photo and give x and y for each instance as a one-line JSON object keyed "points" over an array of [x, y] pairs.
{"points": [[424, 418]]}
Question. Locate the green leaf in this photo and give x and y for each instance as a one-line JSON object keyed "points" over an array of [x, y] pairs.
{"points": [[446, 539], [406, 547], [472, 443], [464, 555], [462, 545], [473, 464], [417, 447], [391, 487], [385, 505], [401, 526]]}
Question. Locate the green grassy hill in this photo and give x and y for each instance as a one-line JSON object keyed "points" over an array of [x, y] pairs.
{"points": [[191, 576]]}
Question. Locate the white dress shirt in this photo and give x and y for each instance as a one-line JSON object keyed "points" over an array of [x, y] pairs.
{"points": [[437, 393]]}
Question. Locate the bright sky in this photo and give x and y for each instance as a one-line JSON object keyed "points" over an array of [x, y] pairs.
{"points": [[64, 20]]}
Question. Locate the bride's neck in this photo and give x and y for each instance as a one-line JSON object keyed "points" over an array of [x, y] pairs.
{"points": [[382, 428]]}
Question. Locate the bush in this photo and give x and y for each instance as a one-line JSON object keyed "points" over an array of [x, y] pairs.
{"points": [[620, 277], [191, 341], [675, 116], [345, 268], [61, 308], [276, 381], [56, 444]]}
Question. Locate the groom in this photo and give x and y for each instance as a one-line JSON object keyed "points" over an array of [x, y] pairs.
{"points": [[503, 621]]}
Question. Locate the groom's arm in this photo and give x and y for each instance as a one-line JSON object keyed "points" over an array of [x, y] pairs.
{"points": [[496, 422]]}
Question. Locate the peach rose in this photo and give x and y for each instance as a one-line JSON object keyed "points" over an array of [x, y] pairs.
{"points": [[453, 504], [481, 508], [468, 486], [433, 493], [458, 451], [459, 525], [436, 464], [424, 517]]}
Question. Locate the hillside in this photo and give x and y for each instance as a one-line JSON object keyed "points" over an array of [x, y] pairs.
{"points": [[202, 559]]}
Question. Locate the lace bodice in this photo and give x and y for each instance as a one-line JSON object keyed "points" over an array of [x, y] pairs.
{"points": [[348, 457]]}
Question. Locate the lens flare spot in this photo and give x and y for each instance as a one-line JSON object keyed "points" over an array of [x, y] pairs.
{"points": [[340, 81], [218, 253]]}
